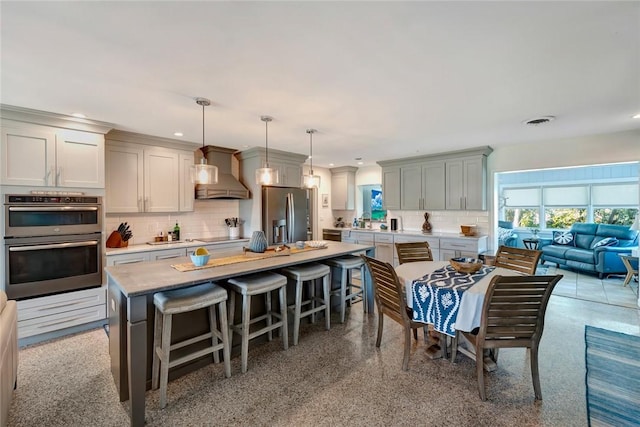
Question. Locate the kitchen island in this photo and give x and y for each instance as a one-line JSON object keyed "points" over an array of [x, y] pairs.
{"points": [[131, 288]]}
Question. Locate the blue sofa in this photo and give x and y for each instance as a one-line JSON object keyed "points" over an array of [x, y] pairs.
{"points": [[582, 256]]}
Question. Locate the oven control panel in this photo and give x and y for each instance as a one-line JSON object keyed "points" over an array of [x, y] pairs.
{"points": [[51, 199]]}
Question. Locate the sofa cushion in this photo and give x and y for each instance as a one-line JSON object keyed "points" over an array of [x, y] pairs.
{"points": [[584, 241], [607, 241], [556, 251], [565, 238], [625, 236], [580, 255]]}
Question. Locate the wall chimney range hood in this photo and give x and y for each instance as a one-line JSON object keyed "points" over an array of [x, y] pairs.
{"points": [[228, 186]]}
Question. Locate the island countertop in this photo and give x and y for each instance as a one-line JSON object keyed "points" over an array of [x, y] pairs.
{"points": [[150, 277]]}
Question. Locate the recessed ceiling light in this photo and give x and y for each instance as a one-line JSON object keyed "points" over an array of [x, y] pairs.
{"points": [[178, 134], [539, 120], [79, 115], [331, 164], [637, 116], [361, 163]]}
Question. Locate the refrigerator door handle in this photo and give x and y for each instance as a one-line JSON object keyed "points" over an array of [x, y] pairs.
{"points": [[290, 213]]}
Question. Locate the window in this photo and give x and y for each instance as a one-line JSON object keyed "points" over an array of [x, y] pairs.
{"points": [[522, 206], [372, 203], [561, 206]]}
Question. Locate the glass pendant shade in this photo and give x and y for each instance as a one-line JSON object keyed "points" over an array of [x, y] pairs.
{"points": [[266, 175], [311, 180], [203, 173]]}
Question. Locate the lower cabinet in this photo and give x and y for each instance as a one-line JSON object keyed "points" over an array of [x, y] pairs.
{"points": [[385, 248], [56, 312], [463, 247]]}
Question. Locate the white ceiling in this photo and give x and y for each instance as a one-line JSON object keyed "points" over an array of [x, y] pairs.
{"points": [[379, 80]]}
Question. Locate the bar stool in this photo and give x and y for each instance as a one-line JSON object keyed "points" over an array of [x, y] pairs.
{"points": [[347, 264], [308, 273], [181, 301], [258, 284]]}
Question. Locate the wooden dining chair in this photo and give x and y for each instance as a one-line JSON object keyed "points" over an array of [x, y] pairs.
{"points": [[391, 301], [413, 251], [512, 317], [522, 260]]}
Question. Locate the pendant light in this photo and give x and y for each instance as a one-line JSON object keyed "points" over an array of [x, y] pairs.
{"points": [[311, 180], [266, 175], [203, 173]]}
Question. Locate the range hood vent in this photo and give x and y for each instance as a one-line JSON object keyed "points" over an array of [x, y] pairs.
{"points": [[228, 186]]}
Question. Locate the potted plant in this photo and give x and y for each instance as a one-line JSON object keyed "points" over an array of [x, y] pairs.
{"points": [[534, 233]]}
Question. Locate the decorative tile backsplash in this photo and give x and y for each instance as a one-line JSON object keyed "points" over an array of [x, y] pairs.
{"points": [[207, 220]]}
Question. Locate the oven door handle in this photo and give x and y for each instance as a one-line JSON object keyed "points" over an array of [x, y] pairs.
{"points": [[51, 208], [53, 246]]}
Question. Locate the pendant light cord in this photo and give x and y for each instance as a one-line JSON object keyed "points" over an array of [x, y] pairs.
{"points": [[202, 130], [311, 132], [266, 141]]}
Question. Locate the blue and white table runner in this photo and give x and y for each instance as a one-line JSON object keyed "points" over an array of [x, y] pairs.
{"points": [[437, 296]]}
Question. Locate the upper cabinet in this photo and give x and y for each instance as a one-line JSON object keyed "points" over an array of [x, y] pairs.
{"points": [[42, 149], [466, 183], [390, 187], [343, 188], [455, 181], [422, 186], [41, 156], [146, 178]]}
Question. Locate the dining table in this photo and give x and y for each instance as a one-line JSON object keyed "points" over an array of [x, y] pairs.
{"points": [[130, 293], [448, 308]]}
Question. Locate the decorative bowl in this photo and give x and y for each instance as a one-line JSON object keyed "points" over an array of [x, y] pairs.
{"points": [[317, 243], [466, 265], [200, 257], [468, 230]]}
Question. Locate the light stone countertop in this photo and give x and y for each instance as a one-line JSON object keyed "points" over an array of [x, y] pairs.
{"points": [[173, 245], [443, 235], [154, 276]]}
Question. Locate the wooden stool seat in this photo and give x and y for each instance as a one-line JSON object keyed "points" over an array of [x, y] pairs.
{"points": [[258, 284], [346, 291], [308, 273], [207, 295]]}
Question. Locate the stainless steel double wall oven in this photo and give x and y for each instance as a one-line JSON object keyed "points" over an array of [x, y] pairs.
{"points": [[52, 244]]}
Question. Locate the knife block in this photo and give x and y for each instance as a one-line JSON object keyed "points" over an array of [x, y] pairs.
{"points": [[115, 241]]}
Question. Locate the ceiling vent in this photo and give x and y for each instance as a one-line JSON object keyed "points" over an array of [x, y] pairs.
{"points": [[539, 120]]}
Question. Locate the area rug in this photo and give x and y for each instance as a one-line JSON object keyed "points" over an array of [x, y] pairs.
{"points": [[612, 378]]}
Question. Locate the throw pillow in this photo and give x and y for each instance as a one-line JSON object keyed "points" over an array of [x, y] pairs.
{"points": [[504, 234], [565, 238], [607, 241]]}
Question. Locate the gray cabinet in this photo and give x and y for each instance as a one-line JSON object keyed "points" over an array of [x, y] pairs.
{"points": [[390, 187], [455, 180], [466, 183], [343, 188], [142, 177]]}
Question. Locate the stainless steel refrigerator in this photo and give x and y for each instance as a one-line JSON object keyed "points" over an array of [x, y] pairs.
{"points": [[286, 214]]}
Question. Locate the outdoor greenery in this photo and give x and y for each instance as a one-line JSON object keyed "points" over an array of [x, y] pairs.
{"points": [[377, 213], [614, 216], [564, 217]]}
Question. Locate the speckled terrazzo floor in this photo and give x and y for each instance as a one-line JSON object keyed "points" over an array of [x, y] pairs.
{"points": [[331, 378]]}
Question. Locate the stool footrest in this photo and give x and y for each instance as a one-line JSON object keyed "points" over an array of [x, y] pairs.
{"points": [[195, 355]]}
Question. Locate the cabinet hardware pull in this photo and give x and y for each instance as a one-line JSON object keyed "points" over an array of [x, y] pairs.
{"points": [[58, 175]]}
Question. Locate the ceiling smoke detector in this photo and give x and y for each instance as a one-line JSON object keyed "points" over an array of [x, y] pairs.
{"points": [[539, 120]]}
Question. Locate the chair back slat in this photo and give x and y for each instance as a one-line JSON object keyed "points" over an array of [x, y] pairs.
{"points": [[518, 259], [514, 308], [387, 290], [413, 252]]}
